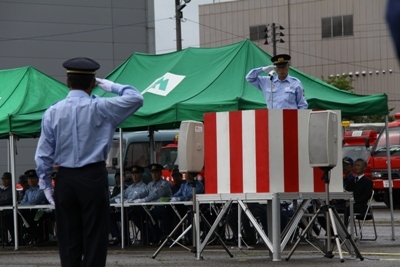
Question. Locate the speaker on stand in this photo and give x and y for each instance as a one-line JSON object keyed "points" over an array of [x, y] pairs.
{"points": [[322, 148]]}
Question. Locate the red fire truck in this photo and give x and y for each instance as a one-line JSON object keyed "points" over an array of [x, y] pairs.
{"points": [[378, 163], [168, 157]]}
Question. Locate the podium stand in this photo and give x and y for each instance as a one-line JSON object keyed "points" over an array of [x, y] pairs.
{"points": [[332, 217], [191, 213]]}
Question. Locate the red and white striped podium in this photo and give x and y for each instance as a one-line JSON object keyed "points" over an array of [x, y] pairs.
{"points": [[259, 151]]}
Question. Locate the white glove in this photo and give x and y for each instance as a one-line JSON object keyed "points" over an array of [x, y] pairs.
{"points": [[174, 199], [48, 192], [104, 84], [267, 69], [117, 200], [139, 200]]}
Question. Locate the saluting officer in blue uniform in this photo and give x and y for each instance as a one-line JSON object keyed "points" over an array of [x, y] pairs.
{"points": [[76, 136], [281, 91]]}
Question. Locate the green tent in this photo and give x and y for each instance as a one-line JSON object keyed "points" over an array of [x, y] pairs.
{"points": [[186, 84], [25, 93]]}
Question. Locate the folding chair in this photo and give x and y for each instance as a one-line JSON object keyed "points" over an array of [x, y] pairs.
{"points": [[361, 218]]}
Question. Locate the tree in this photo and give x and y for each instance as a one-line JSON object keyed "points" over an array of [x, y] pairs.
{"points": [[344, 82]]}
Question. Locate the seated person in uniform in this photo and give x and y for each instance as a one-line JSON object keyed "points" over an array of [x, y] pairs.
{"points": [[135, 191], [33, 196], [159, 190]]}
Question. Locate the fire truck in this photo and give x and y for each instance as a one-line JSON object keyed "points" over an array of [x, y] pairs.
{"points": [[137, 149], [378, 163], [168, 158]]}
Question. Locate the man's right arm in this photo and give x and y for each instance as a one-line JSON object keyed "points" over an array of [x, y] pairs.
{"points": [[120, 108], [258, 81]]}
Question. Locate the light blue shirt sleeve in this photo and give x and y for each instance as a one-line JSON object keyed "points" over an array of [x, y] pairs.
{"points": [[33, 196], [136, 192], [78, 130], [157, 190], [185, 192]]}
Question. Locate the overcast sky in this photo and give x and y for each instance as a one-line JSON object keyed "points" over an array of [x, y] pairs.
{"points": [[164, 12]]}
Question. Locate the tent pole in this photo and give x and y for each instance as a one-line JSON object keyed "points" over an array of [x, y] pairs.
{"points": [[14, 192], [152, 145], [122, 184], [8, 156], [389, 165]]}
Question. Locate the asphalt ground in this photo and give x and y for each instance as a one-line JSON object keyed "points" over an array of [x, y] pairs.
{"points": [[382, 252]]}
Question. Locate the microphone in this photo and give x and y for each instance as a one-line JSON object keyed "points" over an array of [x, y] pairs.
{"points": [[271, 74]]}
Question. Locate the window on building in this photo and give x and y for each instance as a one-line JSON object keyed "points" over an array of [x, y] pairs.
{"points": [[257, 32], [337, 26]]}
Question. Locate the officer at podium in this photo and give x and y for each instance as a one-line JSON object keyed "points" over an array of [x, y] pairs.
{"points": [[280, 91]]}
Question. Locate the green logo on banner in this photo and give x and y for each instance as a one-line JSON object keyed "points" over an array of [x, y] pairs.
{"points": [[165, 84]]}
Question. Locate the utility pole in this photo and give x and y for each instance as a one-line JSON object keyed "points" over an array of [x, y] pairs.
{"points": [[273, 36], [178, 17]]}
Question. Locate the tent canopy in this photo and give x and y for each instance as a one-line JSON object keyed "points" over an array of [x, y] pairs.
{"points": [[186, 84], [176, 86], [25, 93]]}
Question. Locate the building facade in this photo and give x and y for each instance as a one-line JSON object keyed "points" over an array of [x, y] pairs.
{"points": [[324, 37], [45, 33]]}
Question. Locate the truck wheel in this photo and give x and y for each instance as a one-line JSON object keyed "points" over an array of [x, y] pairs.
{"points": [[396, 198]]}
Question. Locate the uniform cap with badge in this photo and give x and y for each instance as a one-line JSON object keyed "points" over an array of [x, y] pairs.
{"points": [[155, 167], [281, 60], [81, 65], [31, 173], [137, 169]]}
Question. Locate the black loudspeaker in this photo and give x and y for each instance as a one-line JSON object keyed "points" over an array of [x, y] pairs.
{"points": [[191, 146], [323, 138]]}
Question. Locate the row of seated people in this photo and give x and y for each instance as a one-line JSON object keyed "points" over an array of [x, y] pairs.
{"points": [[162, 217], [32, 220]]}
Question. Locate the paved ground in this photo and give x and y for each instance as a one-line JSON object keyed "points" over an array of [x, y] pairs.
{"points": [[383, 252]]}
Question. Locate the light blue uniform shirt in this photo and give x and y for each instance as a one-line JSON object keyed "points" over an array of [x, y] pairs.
{"points": [[134, 191], [78, 130], [33, 196], [157, 190], [185, 192], [286, 94]]}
